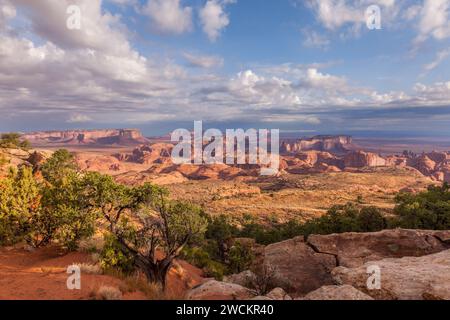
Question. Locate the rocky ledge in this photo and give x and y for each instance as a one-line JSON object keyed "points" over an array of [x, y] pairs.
{"points": [[414, 264]]}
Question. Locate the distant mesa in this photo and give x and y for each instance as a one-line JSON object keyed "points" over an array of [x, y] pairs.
{"points": [[333, 144], [87, 137]]}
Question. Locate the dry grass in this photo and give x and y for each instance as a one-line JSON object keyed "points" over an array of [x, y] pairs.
{"points": [[49, 270], [89, 268], [91, 245], [138, 283], [179, 270], [107, 293], [95, 257]]}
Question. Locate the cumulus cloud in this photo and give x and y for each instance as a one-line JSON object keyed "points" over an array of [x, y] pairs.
{"points": [[431, 18], [213, 18], [169, 16], [203, 61], [91, 69], [99, 31], [336, 14]]}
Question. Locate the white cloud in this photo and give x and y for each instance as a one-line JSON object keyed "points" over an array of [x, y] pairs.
{"points": [[315, 40], [124, 2], [334, 14], [412, 12], [440, 57], [298, 118], [169, 16], [434, 94], [7, 12], [78, 118], [387, 98], [203, 61], [434, 20], [100, 31], [315, 79], [93, 69], [214, 18]]}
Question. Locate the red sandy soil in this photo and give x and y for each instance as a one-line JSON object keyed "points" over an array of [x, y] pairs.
{"points": [[41, 275]]}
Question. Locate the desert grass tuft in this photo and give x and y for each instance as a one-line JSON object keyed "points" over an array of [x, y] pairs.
{"points": [[108, 293]]}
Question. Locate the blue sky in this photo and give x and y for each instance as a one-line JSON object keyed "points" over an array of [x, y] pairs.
{"points": [[311, 66]]}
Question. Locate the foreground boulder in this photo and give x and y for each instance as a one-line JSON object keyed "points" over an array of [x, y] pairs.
{"points": [[243, 279], [408, 278], [216, 290], [278, 294], [355, 249], [298, 268], [344, 292]]}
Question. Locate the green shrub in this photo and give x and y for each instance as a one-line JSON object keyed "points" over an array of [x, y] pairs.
{"points": [[41, 211], [215, 270], [113, 256], [200, 258], [20, 196], [426, 210], [240, 258], [370, 219], [12, 140]]}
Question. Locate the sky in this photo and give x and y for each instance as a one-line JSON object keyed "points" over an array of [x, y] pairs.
{"points": [[308, 67]]}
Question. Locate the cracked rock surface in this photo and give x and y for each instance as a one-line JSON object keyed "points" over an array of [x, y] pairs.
{"points": [[304, 265], [408, 278]]}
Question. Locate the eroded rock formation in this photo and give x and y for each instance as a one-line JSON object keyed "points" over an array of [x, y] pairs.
{"points": [[335, 144], [86, 137]]}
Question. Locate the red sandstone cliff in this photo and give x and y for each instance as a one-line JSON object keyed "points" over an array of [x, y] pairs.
{"points": [[360, 159]]}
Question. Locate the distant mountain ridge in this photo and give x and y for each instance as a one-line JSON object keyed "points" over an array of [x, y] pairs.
{"points": [[87, 137]]}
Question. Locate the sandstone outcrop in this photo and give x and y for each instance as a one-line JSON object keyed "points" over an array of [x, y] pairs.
{"points": [[19, 157], [361, 159], [298, 268], [345, 292], [242, 279], [216, 290], [425, 165], [278, 294], [407, 278], [98, 163], [335, 144], [303, 266], [354, 249], [149, 154]]}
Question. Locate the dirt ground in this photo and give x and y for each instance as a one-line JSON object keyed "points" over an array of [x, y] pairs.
{"points": [[41, 275]]}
